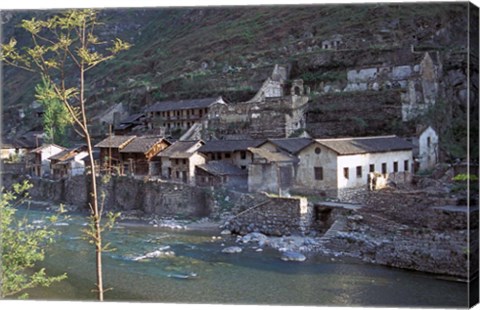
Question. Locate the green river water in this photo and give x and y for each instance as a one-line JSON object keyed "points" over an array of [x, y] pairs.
{"points": [[249, 277]]}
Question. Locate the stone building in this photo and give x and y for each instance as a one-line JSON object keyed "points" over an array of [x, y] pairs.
{"points": [[110, 148], [179, 160], [234, 152], [425, 151], [276, 111], [180, 114], [221, 174], [270, 171], [290, 145], [335, 166], [137, 155]]}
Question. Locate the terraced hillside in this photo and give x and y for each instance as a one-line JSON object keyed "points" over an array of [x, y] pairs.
{"points": [[229, 51]]}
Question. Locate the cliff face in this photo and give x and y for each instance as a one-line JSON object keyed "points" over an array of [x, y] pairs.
{"points": [[205, 52]]}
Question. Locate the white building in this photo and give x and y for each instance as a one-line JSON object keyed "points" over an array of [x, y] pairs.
{"points": [[38, 160], [425, 151], [334, 165]]}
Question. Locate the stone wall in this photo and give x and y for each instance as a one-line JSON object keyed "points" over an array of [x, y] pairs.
{"points": [[275, 216], [122, 194]]}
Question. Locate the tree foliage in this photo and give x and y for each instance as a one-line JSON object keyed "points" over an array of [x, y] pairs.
{"points": [[63, 49], [23, 245], [56, 118]]}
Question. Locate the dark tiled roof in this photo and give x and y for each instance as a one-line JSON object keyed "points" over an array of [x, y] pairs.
{"points": [[132, 118], [141, 144], [180, 149], [350, 146], [270, 156], [291, 145], [222, 168], [229, 145], [115, 141], [182, 104]]}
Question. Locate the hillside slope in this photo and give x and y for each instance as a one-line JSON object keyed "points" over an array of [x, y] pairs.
{"points": [[229, 51]]}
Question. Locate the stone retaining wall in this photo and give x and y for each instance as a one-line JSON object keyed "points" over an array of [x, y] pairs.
{"points": [[121, 194], [276, 216]]}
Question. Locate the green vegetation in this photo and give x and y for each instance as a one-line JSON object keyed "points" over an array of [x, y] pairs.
{"points": [[62, 50], [23, 245], [56, 118]]}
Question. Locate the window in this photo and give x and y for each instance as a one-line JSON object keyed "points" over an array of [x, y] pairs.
{"points": [[318, 171], [318, 150], [243, 155], [405, 165], [372, 167], [359, 171], [184, 161], [228, 155], [178, 174], [384, 168], [429, 141], [243, 167], [346, 173], [395, 166], [176, 161]]}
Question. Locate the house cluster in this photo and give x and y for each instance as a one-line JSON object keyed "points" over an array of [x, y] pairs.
{"points": [[272, 165], [247, 146]]}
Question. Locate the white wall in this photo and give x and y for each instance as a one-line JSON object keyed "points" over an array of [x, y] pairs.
{"points": [[428, 155], [364, 161]]}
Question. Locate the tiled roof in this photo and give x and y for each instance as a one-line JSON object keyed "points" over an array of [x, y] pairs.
{"points": [[291, 145], [115, 141], [180, 149], [270, 156], [141, 144], [183, 104], [350, 146], [222, 168], [132, 118], [41, 148], [214, 146], [68, 153]]}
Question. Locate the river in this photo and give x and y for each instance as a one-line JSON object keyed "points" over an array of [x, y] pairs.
{"points": [[211, 276]]}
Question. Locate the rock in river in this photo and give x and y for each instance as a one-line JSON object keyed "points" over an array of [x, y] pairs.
{"points": [[290, 256], [232, 250]]}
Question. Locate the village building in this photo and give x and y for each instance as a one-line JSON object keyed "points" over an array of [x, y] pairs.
{"points": [[221, 174], [276, 111], [110, 148], [13, 149], [69, 162], [38, 160], [137, 155], [290, 145], [425, 151], [270, 171], [179, 160], [180, 114], [132, 123], [234, 152], [334, 166]]}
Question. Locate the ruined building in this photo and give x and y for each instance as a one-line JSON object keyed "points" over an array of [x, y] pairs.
{"points": [[276, 111]]}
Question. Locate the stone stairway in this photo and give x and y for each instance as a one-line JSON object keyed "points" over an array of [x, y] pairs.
{"points": [[337, 226]]}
